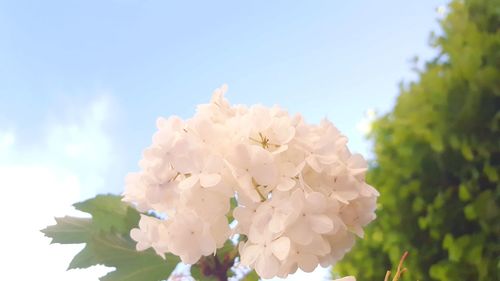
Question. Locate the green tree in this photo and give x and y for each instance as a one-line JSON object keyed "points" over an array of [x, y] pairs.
{"points": [[438, 161]]}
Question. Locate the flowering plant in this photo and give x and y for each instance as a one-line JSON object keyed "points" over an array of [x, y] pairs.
{"points": [[301, 195], [251, 187]]}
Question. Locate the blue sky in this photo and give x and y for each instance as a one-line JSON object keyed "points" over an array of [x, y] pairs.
{"points": [[82, 82]]}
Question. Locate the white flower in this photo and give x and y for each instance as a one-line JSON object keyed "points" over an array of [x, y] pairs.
{"points": [[204, 168], [254, 170], [147, 233], [311, 219], [244, 213], [301, 194], [343, 187], [208, 204], [190, 237], [305, 257], [265, 254]]}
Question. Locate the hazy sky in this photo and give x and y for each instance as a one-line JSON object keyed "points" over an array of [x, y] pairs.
{"points": [[82, 83]]}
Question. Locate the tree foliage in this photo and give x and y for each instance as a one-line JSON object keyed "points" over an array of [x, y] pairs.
{"points": [[438, 160]]}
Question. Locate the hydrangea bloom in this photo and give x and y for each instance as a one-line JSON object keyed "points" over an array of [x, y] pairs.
{"points": [[302, 195]]}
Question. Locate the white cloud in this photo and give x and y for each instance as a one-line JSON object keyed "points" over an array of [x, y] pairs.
{"points": [[34, 195], [7, 140], [40, 185], [84, 145]]}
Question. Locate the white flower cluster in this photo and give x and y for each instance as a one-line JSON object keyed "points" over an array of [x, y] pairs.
{"points": [[302, 196]]}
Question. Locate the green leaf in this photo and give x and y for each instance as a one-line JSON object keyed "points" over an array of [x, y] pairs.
{"points": [[196, 272], [108, 243], [491, 173], [470, 212], [233, 204], [118, 251], [69, 230], [463, 193], [109, 212], [131, 265], [467, 152], [252, 276]]}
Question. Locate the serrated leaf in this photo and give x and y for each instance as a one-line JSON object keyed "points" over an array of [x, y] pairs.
{"points": [[69, 230], [117, 251], [109, 212], [84, 259], [131, 265], [108, 242]]}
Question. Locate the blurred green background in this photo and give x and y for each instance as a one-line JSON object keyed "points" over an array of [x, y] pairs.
{"points": [[437, 163]]}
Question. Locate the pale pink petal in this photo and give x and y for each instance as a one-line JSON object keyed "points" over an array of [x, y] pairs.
{"points": [[319, 246], [281, 247], [276, 224], [356, 161], [280, 149], [190, 258], [313, 163], [182, 164], [368, 190], [207, 243], [264, 173], [346, 195], [243, 215], [286, 184], [307, 262], [267, 266], [240, 156], [188, 182], [358, 230], [136, 234], [316, 202], [209, 180], [300, 233], [250, 253], [320, 223]]}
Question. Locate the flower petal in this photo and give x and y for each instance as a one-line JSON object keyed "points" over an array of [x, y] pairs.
{"points": [[300, 233], [281, 247], [189, 182], [320, 223], [286, 184], [209, 180], [267, 266], [249, 254], [307, 262]]}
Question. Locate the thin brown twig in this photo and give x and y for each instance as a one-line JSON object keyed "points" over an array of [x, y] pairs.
{"points": [[400, 269], [387, 275]]}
